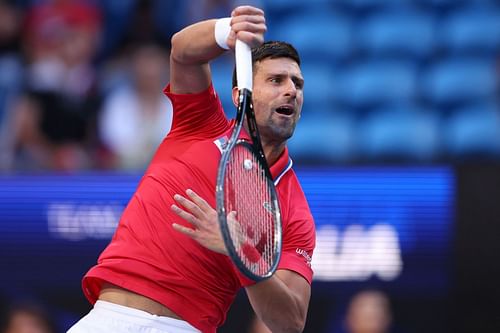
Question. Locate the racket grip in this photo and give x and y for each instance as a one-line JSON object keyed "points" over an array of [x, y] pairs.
{"points": [[243, 55]]}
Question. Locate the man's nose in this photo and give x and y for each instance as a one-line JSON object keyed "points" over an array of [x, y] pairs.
{"points": [[290, 88]]}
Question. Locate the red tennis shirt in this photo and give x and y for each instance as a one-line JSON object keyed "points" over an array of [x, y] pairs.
{"points": [[147, 256]]}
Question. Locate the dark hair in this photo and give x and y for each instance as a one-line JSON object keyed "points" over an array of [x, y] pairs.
{"points": [[272, 50]]}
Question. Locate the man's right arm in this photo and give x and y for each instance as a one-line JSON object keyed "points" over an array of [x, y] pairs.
{"points": [[195, 46]]}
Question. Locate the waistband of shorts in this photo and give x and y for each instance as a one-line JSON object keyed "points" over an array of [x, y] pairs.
{"points": [[140, 317]]}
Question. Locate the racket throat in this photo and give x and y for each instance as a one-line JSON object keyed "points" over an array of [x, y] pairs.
{"points": [[245, 107]]}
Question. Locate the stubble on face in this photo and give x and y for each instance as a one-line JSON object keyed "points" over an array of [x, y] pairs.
{"points": [[277, 98]]}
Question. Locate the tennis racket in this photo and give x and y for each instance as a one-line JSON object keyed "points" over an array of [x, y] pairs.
{"points": [[247, 203]]}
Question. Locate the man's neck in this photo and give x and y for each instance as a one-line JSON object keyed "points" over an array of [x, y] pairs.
{"points": [[273, 152]]}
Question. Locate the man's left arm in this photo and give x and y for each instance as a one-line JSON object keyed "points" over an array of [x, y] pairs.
{"points": [[281, 301]]}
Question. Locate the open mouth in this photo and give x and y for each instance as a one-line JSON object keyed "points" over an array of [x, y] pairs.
{"points": [[285, 110]]}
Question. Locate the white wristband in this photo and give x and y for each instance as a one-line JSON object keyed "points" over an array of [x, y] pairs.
{"points": [[221, 32]]}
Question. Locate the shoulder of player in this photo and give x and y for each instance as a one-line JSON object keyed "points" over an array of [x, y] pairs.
{"points": [[290, 188], [201, 97], [198, 115]]}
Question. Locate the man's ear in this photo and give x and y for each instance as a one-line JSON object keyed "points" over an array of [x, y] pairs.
{"points": [[235, 96]]}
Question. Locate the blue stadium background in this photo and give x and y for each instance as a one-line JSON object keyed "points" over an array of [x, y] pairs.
{"points": [[400, 134], [393, 80]]}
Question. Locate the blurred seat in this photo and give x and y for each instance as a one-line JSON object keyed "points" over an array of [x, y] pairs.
{"points": [[448, 4], [117, 14], [289, 6], [328, 137], [10, 82], [399, 133], [473, 131], [459, 80], [397, 32], [319, 82], [472, 29], [222, 73], [367, 4], [374, 82], [325, 34]]}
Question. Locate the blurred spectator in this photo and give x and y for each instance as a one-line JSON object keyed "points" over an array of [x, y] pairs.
{"points": [[136, 116], [368, 312], [10, 58], [23, 145], [152, 22], [129, 22], [10, 25], [53, 123], [27, 318], [61, 40]]}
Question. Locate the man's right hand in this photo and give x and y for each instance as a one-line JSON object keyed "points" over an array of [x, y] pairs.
{"points": [[248, 24], [194, 47]]}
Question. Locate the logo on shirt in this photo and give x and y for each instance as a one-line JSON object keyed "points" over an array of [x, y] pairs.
{"points": [[305, 255], [221, 143]]}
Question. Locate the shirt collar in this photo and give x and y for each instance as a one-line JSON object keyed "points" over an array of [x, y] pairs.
{"points": [[280, 167]]}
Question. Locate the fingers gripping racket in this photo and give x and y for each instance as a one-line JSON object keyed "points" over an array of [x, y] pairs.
{"points": [[247, 203]]}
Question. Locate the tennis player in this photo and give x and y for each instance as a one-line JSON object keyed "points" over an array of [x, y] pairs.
{"points": [[166, 268]]}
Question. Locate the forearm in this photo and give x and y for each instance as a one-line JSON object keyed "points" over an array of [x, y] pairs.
{"points": [[280, 306], [195, 44]]}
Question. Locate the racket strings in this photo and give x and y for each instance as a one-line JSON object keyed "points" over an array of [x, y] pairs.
{"points": [[248, 194]]}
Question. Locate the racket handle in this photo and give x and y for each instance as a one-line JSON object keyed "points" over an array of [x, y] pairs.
{"points": [[243, 55]]}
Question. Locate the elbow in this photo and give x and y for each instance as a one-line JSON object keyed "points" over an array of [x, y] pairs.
{"points": [[175, 49], [294, 328], [298, 326], [291, 321], [181, 52], [301, 326], [293, 325], [298, 321]]}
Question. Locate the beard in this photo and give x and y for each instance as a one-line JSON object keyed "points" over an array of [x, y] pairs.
{"points": [[277, 130]]}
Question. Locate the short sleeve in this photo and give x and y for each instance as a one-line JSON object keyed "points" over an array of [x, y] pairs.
{"points": [[298, 249], [299, 234], [199, 114]]}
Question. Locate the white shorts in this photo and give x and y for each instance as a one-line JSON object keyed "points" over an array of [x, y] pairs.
{"points": [[108, 317]]}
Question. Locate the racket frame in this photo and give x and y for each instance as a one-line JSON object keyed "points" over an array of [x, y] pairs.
{"points": [[245, 108]]}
